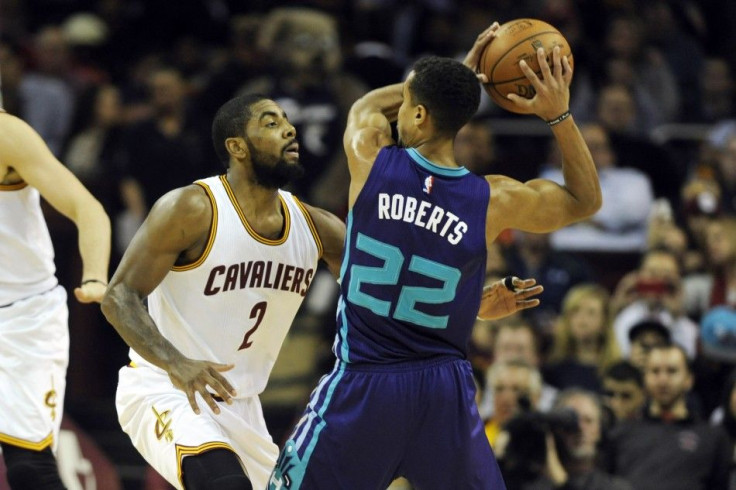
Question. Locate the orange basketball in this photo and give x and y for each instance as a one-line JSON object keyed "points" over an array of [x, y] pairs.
{"points": [[518, 40]]}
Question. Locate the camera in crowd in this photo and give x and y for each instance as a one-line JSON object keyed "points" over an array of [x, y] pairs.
{"points": [[525, 455]]}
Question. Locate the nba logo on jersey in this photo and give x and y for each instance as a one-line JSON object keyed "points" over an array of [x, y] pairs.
{"points": [[428, 183]]}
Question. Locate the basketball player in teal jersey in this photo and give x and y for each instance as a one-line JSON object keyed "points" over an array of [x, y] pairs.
{"points": [[400, 399]]}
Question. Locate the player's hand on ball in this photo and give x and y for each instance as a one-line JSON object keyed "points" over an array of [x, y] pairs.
{"points": [[193, 377], [552, 97], [499, 301], [472, 59]]}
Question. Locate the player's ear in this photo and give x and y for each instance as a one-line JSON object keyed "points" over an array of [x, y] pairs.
{"points": [[420, 114], [236, 147]]}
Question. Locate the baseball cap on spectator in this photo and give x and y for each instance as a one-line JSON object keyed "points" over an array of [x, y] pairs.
{"points": [[649, 325], [718, 334]]}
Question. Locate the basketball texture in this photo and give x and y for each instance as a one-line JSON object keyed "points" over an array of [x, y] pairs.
{"points": [[518, 40]]}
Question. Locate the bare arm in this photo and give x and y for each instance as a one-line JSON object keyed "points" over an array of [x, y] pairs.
{"points": [[540, 205], [177, 227], [24, 150], [331, 232], [368, 130]]}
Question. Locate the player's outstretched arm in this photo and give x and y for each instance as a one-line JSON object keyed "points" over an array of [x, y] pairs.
{"points": [[177, 228], [22, 148], [540, 205], [500, 299], [331, 231]]}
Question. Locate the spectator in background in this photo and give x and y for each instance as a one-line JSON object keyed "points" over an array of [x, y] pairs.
{"points": [[725, 416], [515, 340], [616, 112], [475, 148], [664, 232], [623, 391], [168, 150], [579, 453], [669, 29], [243, 61], [725, 169], [702, 200], [47, 97], [621, 223], [531, 255], [718, 92], [645, 336], [653, 292], [12, 75], [94, 152], [515, 385], [306, 78], [635, 63], [670, 447], [585, 343], [717, 286]]}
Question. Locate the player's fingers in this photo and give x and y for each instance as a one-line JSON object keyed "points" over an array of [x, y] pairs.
{"points": [[528, 292], [543, 65], [208, 398], [523, 283], [567, 76], [222, 386], [192, 400], [482, 78], [557, 64], [221, 367], [530, 75], [527, 303], [490, 30], [519, 101]]}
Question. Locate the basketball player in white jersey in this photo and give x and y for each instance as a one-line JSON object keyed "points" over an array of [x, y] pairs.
{"points": [[34, 336], [224, 264]]}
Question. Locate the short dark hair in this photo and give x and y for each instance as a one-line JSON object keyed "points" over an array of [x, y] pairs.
{"points": [[230, 122], [623, 371], [448, 89]]}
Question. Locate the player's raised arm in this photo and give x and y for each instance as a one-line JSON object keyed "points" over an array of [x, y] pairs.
{"points": [[176, 229], [368, 130], [540, 205], [39, 168]]}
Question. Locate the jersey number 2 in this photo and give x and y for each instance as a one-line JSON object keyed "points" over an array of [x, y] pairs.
{"points": [[259, 309], [388, 274]]}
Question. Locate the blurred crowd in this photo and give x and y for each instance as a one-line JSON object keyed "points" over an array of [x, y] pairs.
{"points": [[624, 376]]}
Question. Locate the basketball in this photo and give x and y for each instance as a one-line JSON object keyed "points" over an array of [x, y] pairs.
{"points": [[518, 40]]}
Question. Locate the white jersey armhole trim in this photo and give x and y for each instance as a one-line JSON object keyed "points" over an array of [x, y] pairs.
{"points": [[211, 237]]}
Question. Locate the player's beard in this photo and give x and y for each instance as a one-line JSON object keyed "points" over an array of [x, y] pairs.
{"points": [[273, 172]]}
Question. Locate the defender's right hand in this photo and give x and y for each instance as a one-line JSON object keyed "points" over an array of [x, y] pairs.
{"points": [[193, 377]]}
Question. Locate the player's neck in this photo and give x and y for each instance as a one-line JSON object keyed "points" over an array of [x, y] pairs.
{"points": [[250, 194], [438, 151]]}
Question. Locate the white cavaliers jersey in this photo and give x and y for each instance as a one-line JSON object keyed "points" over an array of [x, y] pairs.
{"points": [[235, 304], [26, 253]]}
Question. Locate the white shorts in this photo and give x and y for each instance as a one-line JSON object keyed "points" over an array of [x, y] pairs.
{"points": [[164, 428], [34, 354]]}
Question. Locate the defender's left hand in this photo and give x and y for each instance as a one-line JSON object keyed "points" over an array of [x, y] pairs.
{"points": [[498, 301]]}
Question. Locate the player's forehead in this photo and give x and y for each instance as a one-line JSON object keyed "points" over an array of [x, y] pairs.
{"points": [[265, 108]]}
